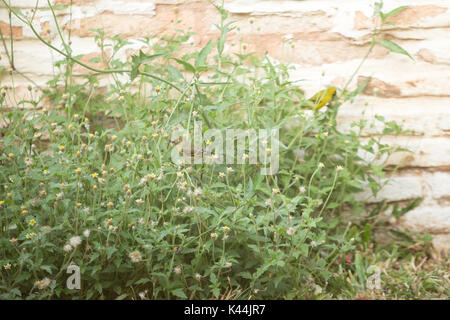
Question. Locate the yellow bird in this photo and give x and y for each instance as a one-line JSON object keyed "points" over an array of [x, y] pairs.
{"points": [[321, 98]]}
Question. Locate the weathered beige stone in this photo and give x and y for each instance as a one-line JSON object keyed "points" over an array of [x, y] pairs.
{"points": [[426, 116], [411, 16], [397, 188], [424, 152], [6, 30], [427, 218], [441, 246]]}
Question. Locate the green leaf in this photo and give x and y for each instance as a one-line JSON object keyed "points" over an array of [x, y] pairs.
{"points": [[189, 67], [142, 281], [203, 54], [137, 60], [56, 7], [358, 90], [360, 269], [393, 12], [393, 47], [367, 235], [179, 293], [121, 297], [304, 248], [216, 292], [98, 287], [47, 268], [94, 60]]}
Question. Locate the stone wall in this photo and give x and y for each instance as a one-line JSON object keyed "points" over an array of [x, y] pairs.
{"points": [[325, 40]]}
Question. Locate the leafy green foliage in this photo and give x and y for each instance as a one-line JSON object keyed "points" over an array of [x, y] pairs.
{"points": [[89, 180]]}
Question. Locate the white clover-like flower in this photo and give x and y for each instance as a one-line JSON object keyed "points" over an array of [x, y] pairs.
{"points": [[317, 289], [67, 248], [198, 276], [86, 233], [228, 264], [302, 189], [143, 294], [177, 270], [75, 241], [135, 256], [290, 231], [42, 284], [188, 209]]}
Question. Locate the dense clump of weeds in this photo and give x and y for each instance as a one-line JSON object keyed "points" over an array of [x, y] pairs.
{"points": [[88, 178]]}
